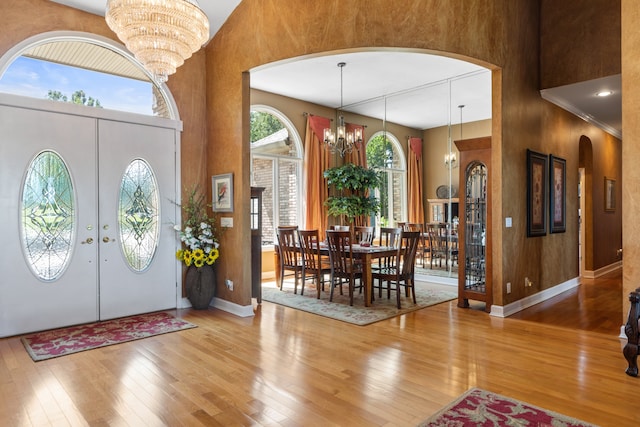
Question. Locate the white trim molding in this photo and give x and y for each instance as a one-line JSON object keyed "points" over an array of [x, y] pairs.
{"points": [[531, 300], [594, 274]]}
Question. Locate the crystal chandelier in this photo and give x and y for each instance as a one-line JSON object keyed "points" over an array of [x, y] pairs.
{"points": [[160, 33], [341, 141]]}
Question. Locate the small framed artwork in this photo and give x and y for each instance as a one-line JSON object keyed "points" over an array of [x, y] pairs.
{"points": [[557, 194], [536, 194], [222, 188], [609, 194]]}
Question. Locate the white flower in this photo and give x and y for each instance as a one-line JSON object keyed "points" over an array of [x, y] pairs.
{"points": [[176, 227]]}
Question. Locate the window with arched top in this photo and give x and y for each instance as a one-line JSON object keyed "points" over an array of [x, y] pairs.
{"points": [[276, 165], [83, 69], [385, 155]]}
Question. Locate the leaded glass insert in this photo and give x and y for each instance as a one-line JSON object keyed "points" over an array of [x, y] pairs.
{"points": [[47, 215], [138, 215]]}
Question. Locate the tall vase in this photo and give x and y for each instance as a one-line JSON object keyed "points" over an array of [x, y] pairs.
{"points": [[200, 285]]}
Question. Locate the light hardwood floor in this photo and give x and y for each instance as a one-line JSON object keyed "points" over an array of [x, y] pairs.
{"points": [[288, 368]]}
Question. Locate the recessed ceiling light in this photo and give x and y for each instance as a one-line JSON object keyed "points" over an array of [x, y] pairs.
{"points": [[604, 93]]}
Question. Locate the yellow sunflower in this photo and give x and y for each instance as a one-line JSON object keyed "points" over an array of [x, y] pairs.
{"points": [[213, 256]]}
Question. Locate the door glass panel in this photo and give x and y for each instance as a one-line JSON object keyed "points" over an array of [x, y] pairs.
{"points": [[476, 225], [138, 215], [47, 216]]}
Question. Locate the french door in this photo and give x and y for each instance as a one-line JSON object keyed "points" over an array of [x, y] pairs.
{"points": [[86, 219]]}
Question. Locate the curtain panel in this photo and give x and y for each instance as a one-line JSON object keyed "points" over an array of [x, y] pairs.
{"points": [[414, 197], [316, 160]]}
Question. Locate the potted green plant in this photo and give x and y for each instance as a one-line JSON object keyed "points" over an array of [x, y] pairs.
{"points": [[200, 249], [353, 185]]}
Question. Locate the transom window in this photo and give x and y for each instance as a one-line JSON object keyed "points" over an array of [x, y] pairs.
{"points": [[276, 165], [84, 73]]}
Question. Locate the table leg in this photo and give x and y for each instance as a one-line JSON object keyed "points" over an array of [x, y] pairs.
{"points": [[368, 282]]}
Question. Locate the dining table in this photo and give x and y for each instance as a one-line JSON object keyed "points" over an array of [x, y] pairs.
{"points": [[366, 253]]}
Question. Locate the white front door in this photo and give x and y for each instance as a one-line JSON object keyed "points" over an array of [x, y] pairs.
{"points": [[77, 245], [136, 275]]}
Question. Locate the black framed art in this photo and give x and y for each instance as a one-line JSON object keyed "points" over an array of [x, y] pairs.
{"points": [[557, 194], [536, 194]]}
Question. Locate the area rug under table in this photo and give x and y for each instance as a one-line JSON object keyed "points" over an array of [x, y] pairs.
{"points": [[482, 408], [60, 342], [382, 308]]}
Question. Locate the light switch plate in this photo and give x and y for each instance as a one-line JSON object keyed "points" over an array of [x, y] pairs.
{"points": [[508, 222]]}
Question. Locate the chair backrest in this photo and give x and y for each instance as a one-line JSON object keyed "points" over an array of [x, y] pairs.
{"points": [[390, 236], [414, 226], [407, 250], [341, 227], [310, 248], [340, 251], [289, 254], [437, 238], [363, 234]]}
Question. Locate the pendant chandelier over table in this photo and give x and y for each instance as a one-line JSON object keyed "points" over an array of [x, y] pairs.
{"points": [[340, 141], [161, 34]]}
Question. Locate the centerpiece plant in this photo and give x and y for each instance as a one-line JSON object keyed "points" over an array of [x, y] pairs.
{"points": [[200, 249], [353, 198]]}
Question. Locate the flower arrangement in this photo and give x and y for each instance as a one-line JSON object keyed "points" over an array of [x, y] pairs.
{"points": [[200, 234]]}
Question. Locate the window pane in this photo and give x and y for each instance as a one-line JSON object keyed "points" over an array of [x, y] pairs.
{"points": [[138, 214], [48, 216], [288, 201], [262, 171]]}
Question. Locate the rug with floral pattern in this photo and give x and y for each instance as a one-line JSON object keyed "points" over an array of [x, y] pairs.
{"points": [[481, 408], [427, 294], [60, 342]]}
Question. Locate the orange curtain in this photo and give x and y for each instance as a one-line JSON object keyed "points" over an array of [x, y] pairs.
{"points": [[316, 160], [359, 154], [416, 208]]}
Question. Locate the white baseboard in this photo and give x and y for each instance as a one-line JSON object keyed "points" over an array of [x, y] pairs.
{"points": [[531, 300], [451, 281], [594, 274], [233, 308], [224, 305]]}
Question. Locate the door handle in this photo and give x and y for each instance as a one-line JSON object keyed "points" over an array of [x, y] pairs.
{"points": [[107, 240], [88, 241]]}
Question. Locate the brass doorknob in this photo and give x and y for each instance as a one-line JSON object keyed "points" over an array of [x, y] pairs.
{"points": [[107, 240], [88, 241]]}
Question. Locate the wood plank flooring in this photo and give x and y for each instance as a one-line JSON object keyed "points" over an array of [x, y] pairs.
{"points": [[285, 367]]}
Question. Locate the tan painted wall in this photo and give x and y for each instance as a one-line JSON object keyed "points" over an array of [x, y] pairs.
{"points": [[580, 40], [630, 151]]}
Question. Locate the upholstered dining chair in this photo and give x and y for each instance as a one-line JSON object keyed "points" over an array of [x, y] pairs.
{"points": [[314, 265], [344, 268], [290, 255], [400, 272]]}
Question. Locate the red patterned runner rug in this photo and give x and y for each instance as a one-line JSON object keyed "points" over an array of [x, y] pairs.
{"points": [[60, 342], [482, 408]]}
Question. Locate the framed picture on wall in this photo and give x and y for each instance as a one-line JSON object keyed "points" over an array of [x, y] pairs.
{"points": [[536, 194], [222, 188], [609, 194], [557, 194]]}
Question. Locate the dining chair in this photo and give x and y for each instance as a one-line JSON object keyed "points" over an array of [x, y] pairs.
{"points": [[424, 248], [363, 234], [390, 237], [344, 268], [437, 233], [290, 256], [314, 265], [400, 272]]}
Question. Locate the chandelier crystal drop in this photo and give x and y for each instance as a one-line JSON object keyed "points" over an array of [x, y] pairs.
{"points": [[340, 141], [161, 34]]}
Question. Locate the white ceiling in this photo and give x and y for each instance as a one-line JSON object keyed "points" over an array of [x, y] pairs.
{"points": [[370, 76]]}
